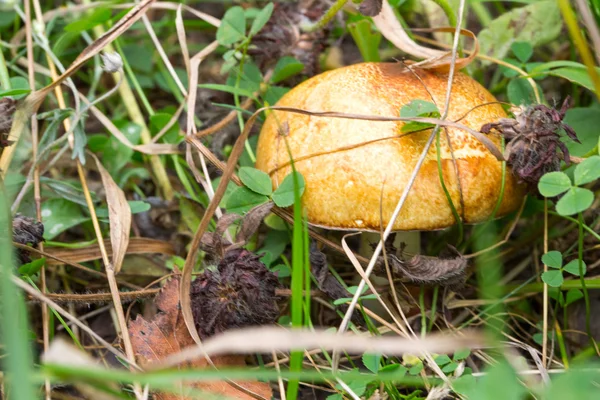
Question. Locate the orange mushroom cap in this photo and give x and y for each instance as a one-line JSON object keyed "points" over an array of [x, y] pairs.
{"points": [[345, 165]]}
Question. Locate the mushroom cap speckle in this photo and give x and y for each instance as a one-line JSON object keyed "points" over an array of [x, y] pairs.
{"points": [[356, 170]]}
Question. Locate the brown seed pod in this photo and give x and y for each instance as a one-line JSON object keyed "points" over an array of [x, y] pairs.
{"points": [[239, 292], [533, 141], [8, 107], [27, 231], [283, 35]]}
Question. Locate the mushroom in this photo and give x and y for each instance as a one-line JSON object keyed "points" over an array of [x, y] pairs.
{"points": [[356, 170]]}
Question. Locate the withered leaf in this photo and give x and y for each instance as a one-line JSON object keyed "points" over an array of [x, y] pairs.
{"points": [[252, 221], [119, 216], [167, 334], [327, 282]]}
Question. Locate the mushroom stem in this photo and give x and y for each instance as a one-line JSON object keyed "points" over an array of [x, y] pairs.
{"points": [[410, 239]]}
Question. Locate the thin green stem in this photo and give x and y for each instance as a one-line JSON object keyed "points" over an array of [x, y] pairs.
{"points": [[579, 41], [423, 313], [329, 15], [236, 99], [481, 12], [587, 228], [436, 291], [4, 76], [457, 217], [133, 79], [586, 296], [445, 6]]}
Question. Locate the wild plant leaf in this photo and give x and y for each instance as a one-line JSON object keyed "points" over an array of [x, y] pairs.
{"points": [[243, 199], [461, 354], [79, 143], [553, 278], [418, 108], [572, 267], [226, 88], [256, 180], [522, 50], [64, 43], [538, 23], [580, 76], [19, 88], [283, 196], [587, 171], [554, 183], [66, 190], [553, 259], [586, 122], [233, 27], [575, 201], [520, 92], [58, 215], [572, 296], [286, 67], [366, 38], [32, 268], [261, 19], [97, 17], [250, 78], [372, 361]]}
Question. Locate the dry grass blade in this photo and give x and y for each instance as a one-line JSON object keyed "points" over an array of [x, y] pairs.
{"points": [[181, 38], [268, 339], [34, 100], [88, 298], [119, 216], [92, 252], [434, 121]]}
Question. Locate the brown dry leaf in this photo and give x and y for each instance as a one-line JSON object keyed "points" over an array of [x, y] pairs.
{"points": [[119, 216], [166, 334]]}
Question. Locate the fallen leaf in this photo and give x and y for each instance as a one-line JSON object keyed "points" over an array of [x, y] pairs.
{"points": [[167, 334]]}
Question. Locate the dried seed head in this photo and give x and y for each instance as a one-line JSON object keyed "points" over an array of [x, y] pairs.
{"points": [[533, 141], [240, 292], [8, 107], [112, 62], [26, 230], [283, 35], [370, 8]]}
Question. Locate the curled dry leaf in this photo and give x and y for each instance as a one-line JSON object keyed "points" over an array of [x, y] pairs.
{"points": [[166, 334], [448, 270], [393, 31], [119, 216]]}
